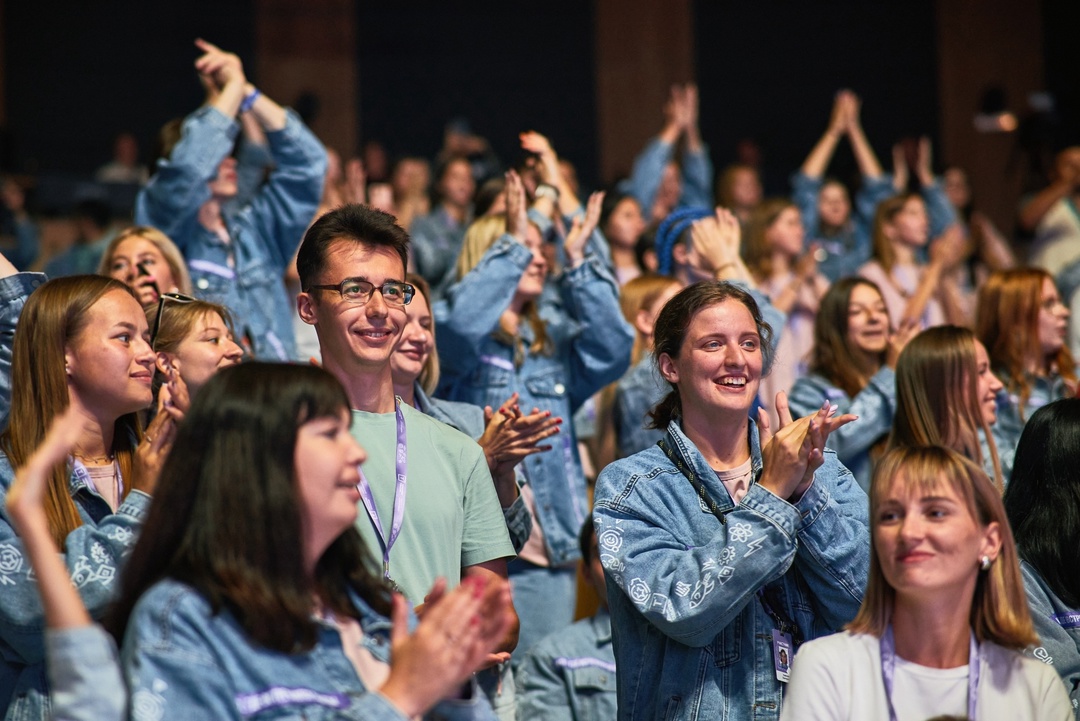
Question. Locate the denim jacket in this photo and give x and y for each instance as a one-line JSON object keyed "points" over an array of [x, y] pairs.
{"points": [[246, 273], [570, 675], [182, 661], [1011, 418], [644, 181], [875, 405], [847, 250], [635, 395], [1058, 627], [93, 553], [692, 636], [85, 683], [590, 348], [14, 290]]}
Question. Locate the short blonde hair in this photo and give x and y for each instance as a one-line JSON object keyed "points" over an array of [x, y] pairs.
{"points": [[999, 609]]}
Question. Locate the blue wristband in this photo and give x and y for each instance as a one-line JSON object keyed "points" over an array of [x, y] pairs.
{"points": [[249, 100]]}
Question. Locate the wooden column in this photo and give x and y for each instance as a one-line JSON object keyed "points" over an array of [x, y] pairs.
{"points": [[311, 47], [642, 48], [983, 43]]}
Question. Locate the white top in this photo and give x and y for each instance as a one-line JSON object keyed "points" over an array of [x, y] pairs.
{"points": [[839, 677], [1057, 239]]}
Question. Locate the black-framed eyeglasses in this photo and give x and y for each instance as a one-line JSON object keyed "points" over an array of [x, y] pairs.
{"points": [[174, 297], [355, 290]]}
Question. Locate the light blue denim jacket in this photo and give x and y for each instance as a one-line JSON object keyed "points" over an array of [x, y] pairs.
{"points": [[1011, 418], [636, 394], [436, 243], [245, 274], [875, 405], [1058, 627], [93, 553], [692, 639], [570, 675], [183, 662], [848, 250], [14, 290], [84, 675], [591, 348], [644, 181]]}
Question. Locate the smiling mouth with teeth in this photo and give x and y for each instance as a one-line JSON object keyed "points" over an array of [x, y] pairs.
{"points": [[733, 382]]}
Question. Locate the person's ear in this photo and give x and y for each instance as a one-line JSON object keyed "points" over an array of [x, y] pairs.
{"points": [[643, 322], [680, 254], [305, 308], [991, 542], [668, 369], [164, 363]]}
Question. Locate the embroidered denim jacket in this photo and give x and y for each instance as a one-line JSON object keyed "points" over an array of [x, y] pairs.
{"points": [[93, 553], [591, 348], [692, 638], [14, 290], [181, 661], [245, 274]]}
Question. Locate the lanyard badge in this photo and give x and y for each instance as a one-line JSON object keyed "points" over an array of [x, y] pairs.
{"points": [[398, 516]]}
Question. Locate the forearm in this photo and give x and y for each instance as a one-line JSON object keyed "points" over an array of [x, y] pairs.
{"points": [[815, 164], [864, 154], [1032, 213], [266, 112], [926, 289]]}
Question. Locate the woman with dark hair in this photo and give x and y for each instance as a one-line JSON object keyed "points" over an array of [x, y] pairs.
{"points": [[1023, 323], [706, 539], [254, 591], [81, 342], [946, 395], [852, 365], [622, 224], [943, 619], [1043, 505], [437, 236]]}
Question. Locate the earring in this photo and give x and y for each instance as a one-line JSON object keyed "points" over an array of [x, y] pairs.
{"points": [[984, 563]]}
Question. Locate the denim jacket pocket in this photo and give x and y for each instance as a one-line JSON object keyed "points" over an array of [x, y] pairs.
{"points": [[547, 384], [590, 679], [492, 372], [259, 276], [726, 648]]}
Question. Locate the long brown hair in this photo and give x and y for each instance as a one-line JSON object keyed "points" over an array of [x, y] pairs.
{"points": [[758, 251], [999, 609], [52, 318], [832, 356], [887, 210], [1007, 322], [937, 401]]}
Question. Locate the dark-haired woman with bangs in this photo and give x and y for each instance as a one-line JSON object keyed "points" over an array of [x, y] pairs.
{"points": [[254, 595], [853, 366], [1042, 501]]}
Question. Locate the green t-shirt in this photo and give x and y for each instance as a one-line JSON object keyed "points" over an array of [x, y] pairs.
{"points": [[452, 514]]}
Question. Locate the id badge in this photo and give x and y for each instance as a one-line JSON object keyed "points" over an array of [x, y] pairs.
{"points": [[782, 654]]}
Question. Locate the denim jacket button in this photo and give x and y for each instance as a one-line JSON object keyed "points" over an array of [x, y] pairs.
{"points": [[559, 388], [203, 283]]}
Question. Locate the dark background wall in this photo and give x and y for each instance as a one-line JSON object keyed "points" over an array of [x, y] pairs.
{"points": [[591, 75]]}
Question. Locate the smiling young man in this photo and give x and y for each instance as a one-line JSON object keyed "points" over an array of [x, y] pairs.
{"points": [[432, 509]]}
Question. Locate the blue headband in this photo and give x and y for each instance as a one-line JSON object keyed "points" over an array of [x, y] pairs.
{"points": [[669, 231]]}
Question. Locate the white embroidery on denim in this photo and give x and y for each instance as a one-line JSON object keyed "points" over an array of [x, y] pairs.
{"points": [[741, 532], [754, 546], [1043, 655], [709, 565], [727, 555], [149, 705], [99, 554], [121, 534], [681, 589], [701, 589], [639, 591], [662, 602], [11, 562], [84, 573], [725, 574], [610, 539]]}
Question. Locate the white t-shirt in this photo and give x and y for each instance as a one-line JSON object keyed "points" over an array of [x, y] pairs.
{"points": [[838, 677]]}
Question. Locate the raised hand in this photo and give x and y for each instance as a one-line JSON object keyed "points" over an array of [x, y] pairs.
{"points": [[455, 637], [580, 230], [218, 66], [924, 166], [909, 328], [26, 495], [511, 436], [791, 455], [900, 168], [355, 182], [949, 248], [151, 453], [517, 218], [534, 142]]}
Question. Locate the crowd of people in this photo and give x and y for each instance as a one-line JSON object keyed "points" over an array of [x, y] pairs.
{"points": [[802, 457]]}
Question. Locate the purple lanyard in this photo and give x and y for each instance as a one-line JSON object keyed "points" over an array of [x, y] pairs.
{"points": [[400, 464], [888, 670]]}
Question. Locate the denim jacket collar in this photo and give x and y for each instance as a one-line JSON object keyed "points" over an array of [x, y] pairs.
{"points": [[704, 471]]}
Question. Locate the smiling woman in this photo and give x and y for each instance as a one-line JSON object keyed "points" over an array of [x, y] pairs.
{"points": [[689, 530], [944, 616], [192, 337]]}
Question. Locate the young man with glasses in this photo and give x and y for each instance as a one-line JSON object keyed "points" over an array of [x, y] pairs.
{"points": [[432, 509]]}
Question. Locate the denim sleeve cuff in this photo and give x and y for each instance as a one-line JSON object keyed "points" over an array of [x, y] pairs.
{"points": [[885, 381], [135, 505], [517, 252], [17, 286], [216, 120], [776, 509], [87, 646], [542, 222], [817, 496], [801, 182]]}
